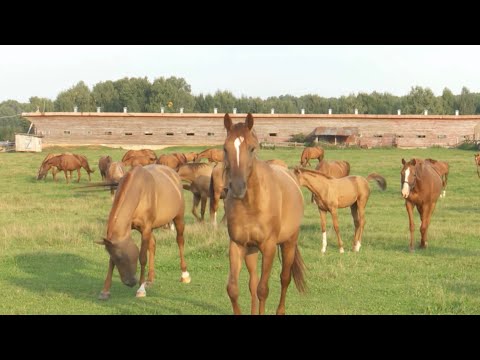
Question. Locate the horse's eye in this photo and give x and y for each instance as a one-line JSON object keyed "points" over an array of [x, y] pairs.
{"points": [[252, 149]]}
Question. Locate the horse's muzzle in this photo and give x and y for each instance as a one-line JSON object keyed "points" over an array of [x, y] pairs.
{"points": [[238, 189], [131, 282]]}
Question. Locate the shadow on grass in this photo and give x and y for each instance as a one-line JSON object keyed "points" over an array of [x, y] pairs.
{"points": [[45, 274]]}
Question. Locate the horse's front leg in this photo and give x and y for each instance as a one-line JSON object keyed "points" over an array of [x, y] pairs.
{"points": [[251, 259], [268, 248], [146, 234], [105, 293], [333, 211], [409, 207], [236, 254]]}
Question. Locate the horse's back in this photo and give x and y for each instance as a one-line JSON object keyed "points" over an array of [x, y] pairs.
{"points": [[334, 168]]}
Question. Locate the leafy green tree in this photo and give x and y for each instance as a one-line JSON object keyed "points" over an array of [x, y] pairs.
{"points": [[419, 99], [467, 104], [78, 95], [106, 96], [42, 104], [175, 91]]}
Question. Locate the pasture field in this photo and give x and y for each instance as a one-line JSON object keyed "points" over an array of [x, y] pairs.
{"points": [[49, 263]]}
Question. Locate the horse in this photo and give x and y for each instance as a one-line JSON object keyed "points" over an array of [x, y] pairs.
{"points": [[421, 187], [217, 191], [54, 169], [213, 155], [198, 176], [140, 153], [191, 156], [115, 172], [442, 168], [277, 162], [138, 160], [312, 152], [477, 162], [84, 162], [61, 162], [147, 198], [103, 165], [334, 168], [332, 194], [264, 209], [173, 161]]}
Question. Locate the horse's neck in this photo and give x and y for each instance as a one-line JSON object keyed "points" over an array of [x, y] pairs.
{"points": [[316, 184], [253, 184], [124, 206]]}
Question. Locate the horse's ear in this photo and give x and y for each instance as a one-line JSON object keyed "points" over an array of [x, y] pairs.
{"points": [[249, 121], [413, 162], [403, 161], [227, 121]]}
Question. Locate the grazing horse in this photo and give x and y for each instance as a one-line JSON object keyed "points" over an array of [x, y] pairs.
{"points": [[213, 155], [61, 162], [334, 168], [332, 194], [277, 162], [477, 162], [115, 172], [147, 198], [103, 165], [84, 162], [313, 152], [218, 191], [138, 160], [140, 153], [421, 187], [198, 176], [173, 161], [54, 168], [191, 156], [264, 209]]}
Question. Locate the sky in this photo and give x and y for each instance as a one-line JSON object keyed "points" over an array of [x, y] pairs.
{"points": [[260, 70]]}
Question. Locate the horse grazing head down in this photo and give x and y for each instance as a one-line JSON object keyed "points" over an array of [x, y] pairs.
{"points": [[124, 255], [240, 154], [408, 177]]}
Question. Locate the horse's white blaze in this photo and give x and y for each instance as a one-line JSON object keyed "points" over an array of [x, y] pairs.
{"points": [[405, 187], [324, 241], [238, 141]]}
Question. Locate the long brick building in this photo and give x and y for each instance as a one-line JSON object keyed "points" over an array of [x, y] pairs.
{"points": [[77, 128]]}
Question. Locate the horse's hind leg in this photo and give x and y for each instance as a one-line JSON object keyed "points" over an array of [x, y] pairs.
{"points": [[236, 254], [66, 175], [356, 222], [143, 257], [359, 224], [105, 293], [196, 201], [251, 259], [180, 226], [203, 206], [323, 224], [288, 254]]}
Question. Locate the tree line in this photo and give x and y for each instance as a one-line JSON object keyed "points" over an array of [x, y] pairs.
{"points": [[171, 94]]}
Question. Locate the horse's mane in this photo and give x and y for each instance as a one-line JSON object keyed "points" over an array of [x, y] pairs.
{"points": [[196, 166], [315, 172]]}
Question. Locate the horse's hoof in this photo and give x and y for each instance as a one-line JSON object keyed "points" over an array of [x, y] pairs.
{"points": [[141, 293], [186, 280], [104, 295], [342, 251]]}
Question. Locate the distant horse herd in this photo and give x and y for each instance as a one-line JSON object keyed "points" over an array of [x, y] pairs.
{"points": [[262, 199]]}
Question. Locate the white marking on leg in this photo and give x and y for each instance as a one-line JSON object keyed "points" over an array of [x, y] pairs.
{"points": [[324, 242], [141, 291], [444, 193], [172, 226], [215, 218], [341, 250], [357, 246], [238, 141], [406, 187], [186, 277]]}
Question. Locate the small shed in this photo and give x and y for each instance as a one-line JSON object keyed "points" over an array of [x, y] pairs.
{"points": [[28, 142]]}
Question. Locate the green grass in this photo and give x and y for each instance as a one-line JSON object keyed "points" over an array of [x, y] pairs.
{"points": [[49, 263]]}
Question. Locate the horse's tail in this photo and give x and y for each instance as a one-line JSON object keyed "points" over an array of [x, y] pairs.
{"points": [[381, 182], [87, 167], [298, 271]]}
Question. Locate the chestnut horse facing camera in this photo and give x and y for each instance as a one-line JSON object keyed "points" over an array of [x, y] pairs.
{"points": [[264, 209], [421, 186], [147, 198]]}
